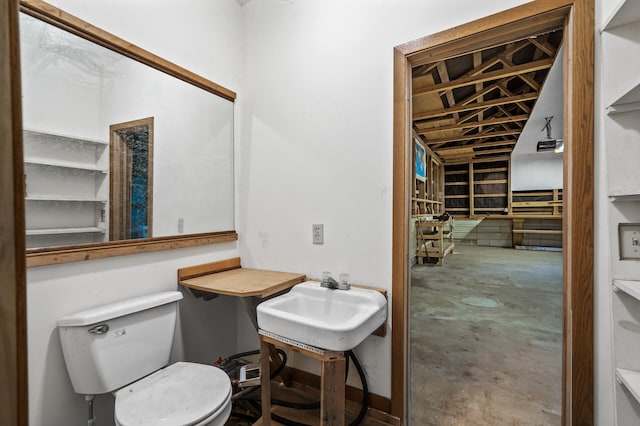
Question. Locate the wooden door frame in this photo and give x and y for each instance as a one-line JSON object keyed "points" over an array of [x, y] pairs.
{"points": [[577, 18], [13, 323], [116, 185]]}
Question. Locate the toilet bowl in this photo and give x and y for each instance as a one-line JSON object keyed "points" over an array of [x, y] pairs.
{"points": [[124, 348], [182, 394]]}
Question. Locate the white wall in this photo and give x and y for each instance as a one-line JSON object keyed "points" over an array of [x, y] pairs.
{"points": [[314, 147], [204, 37], [539, 171], [316, 142], [605, 251], [532, 170]]}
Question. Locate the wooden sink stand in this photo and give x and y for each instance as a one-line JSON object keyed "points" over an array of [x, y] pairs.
{"points": [[332, 387]]}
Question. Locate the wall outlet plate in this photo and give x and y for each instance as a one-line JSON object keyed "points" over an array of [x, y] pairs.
{"points": [[629, 240], [318, 234]]}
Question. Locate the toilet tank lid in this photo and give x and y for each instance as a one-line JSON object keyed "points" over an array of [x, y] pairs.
{"points": [[118, 309]]}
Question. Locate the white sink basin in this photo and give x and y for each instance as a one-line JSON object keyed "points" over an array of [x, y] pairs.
{"points": [[336, 320]]}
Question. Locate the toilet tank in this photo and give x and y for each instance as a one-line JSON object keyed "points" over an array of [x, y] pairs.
{"points": [[110, 346]]}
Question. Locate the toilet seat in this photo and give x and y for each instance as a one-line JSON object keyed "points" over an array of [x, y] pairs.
{"points": [[182, 394]]}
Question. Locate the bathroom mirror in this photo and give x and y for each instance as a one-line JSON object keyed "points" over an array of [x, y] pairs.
{"points": [[119, 152]]}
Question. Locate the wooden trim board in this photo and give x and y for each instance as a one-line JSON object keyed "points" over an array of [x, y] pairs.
{"points": [[577, 19], [120, 248], [208, 268], [13, 304], [51, 14]]}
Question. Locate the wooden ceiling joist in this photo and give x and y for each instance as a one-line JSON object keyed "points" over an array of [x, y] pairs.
{"points": [[473, 124], [475, 105], [479, 105], [448, 151], [488, 76], [476, 136]]}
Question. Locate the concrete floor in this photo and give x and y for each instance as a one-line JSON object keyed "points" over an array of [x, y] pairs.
{"points": [[486, 338]]}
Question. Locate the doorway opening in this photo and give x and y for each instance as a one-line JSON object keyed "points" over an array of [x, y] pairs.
{"points": [[486, 322], [131, 180], [539, 17]]}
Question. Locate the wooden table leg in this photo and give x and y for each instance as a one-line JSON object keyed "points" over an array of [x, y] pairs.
{"points": [[265, 382], [332, 398]]}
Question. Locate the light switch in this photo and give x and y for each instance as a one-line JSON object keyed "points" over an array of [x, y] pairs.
{"points": [[629, 240]]}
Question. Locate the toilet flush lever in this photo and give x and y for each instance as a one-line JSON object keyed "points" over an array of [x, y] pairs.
{"points": [[99, 329]]}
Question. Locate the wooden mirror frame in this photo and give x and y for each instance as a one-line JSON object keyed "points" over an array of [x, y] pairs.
{"points": [[65, 21], [577, 18]]}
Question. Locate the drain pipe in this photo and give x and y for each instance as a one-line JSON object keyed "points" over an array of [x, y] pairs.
{"points": [[91, 420]]}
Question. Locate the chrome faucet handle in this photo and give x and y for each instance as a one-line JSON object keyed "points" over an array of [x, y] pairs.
{"points": [[344, 282], [328, 281]]}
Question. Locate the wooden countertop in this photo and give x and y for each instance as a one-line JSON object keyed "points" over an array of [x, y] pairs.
{"points": [[228, 278]]}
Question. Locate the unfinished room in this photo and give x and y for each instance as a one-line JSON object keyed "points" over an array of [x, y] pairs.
{"points": [[310, 212], [486, 234]]}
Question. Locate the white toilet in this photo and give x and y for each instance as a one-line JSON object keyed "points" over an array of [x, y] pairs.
{"points": [[124, 348]]}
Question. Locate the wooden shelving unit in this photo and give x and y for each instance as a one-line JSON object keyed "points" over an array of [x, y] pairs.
{"points": [[435, 239], [546, 202], [480, 187], [66, 189]]}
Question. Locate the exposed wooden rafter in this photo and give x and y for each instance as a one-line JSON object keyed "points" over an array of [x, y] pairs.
{"points": [[421, 130], [477, 104], [489, 76]]}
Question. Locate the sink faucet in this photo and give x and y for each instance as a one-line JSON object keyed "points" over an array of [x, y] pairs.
{"points": [[329, 282]]}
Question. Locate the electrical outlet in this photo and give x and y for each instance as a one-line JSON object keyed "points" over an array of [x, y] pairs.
{"points": [[629, 240], [180, 225], [318, 234]]}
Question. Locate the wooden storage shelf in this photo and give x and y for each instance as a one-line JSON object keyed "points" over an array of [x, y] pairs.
{"points": [[435, 239], [475, 194], [626, 12], [519, 231], [538, 231], [59, 231], [490, 182], [425, 200], [496, 195]]}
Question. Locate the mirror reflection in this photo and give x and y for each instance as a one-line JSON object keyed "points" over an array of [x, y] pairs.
{"points": [[115, 149]]}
